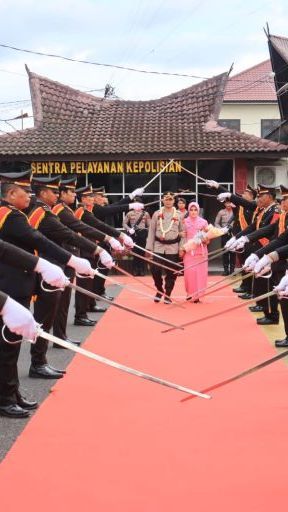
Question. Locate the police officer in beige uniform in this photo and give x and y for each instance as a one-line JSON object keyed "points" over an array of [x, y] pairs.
{"points": [[165, 238]]}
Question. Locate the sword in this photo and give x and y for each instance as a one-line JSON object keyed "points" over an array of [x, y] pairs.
{"points": [[244, 373], [118, 366], [235, 274], [157, 256], [119, 306], [158, 174], [155, 262], [125, 273], [112, 280], [228, 310], [200, 262]]}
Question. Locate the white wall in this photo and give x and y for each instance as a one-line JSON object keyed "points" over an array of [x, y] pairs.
{"points": [[250, 115]]}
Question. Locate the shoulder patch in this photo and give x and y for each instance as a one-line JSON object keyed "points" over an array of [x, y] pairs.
{"points": [[4, 212], [58, 208], [36, 216]]}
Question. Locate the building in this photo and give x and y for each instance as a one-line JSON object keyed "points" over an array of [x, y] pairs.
{"points": [[250, 102], [122, 144]]}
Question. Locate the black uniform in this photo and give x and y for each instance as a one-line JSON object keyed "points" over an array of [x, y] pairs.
{"points": [[20, 285], [105, 213], [266, 217], [83, 304], [243, 216], [12, 255], [67, 217], [42, 218], [277, 233]]}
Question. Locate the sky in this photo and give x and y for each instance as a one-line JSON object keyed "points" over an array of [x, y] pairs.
{"points": [[200, 38]]}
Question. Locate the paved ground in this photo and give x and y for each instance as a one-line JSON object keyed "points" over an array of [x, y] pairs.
{"points": [[38, 389]]}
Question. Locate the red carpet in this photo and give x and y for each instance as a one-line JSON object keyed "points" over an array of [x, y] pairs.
{"points": [[107, 441]]}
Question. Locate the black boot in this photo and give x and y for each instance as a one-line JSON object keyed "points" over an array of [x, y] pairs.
{"points": [[268, 319], [158, 296], [282, 343], [226, 272]]}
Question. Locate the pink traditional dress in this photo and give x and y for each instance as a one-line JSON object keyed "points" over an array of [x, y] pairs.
{"points": [[195, 277]]}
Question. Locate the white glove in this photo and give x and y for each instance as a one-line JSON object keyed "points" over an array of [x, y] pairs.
{"points": [[225, 230], [81, 266], [136, 206], [224, 195], [131, 231], [241, 242], [231, 244], [283, 285], [250, 262], [127, 240], [115, 244], [51, 274], [19, 319], [137, 192], [212, 183], [106, 259], [282, 293], [265, 261]]}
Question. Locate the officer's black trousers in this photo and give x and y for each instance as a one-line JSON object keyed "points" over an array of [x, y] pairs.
{"points": [[81, 300], [262, 285], [45, 309], [60, 321], [170, 277], [9, 354]]}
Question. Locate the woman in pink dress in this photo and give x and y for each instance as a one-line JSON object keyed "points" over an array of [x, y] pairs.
{"points": [[196, 276]]}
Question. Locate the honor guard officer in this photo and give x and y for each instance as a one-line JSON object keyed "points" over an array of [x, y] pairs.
{"points": [[17, 318], [268, 214], [19, 284], [137, 224], [106, 212], [103, 233], [165, 238], [277, 233], [42, 218], [246, 206], [84, 214]]}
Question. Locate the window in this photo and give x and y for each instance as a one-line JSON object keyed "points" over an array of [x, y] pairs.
{"points": [[268, 125], [232, 124]]}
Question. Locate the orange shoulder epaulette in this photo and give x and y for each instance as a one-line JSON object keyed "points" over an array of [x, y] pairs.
{"points": [[79, 212], [4, 212], [242, 221], [58, 208], [282, 223], [36, 216]]}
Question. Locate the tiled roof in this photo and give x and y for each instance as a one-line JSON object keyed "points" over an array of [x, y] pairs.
{"points": [[69, 122], [281, 46], [253, 84]]}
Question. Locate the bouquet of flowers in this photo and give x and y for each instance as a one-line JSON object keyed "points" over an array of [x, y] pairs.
{"points": [[204, 237]]}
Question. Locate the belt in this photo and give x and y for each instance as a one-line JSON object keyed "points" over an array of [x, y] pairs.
{"points": [[168, 242]]}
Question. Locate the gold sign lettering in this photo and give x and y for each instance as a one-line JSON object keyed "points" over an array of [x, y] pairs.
{"points": [[117, 167]]}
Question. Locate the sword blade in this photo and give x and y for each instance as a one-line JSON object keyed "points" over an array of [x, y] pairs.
{"points": [[119, 366], [244, 373], [158, 174], [152, 262], [228, 310], [125, 273], [157, 256], [120, 306], [200, 262], [127, 287]]}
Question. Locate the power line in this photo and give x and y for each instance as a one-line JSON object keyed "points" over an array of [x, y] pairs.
{"points": [[92, 63]]}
